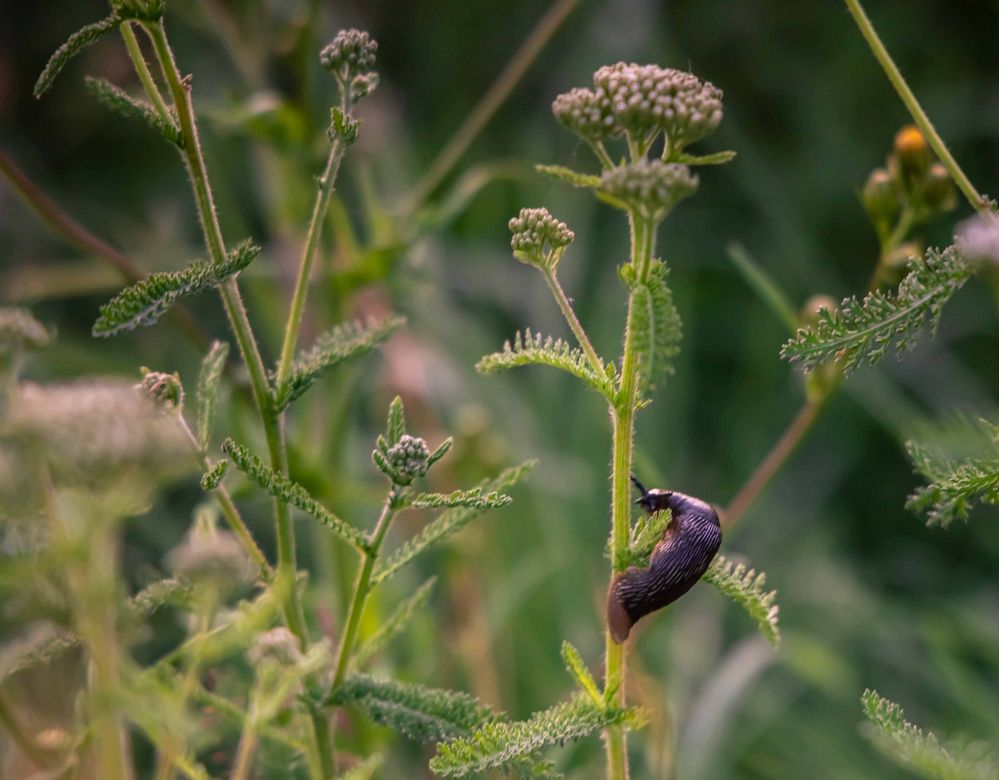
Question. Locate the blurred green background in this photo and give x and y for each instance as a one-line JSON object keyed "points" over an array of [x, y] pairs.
{"points": [[869, 597]]}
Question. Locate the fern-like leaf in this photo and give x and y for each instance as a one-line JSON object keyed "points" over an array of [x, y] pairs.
{"points": [[122, 103], [953, 487], [574, 664], [921, 751], [532, 349], [499, 743], [143, 303], [289, 491], [657, 326], [208, 390], [864, 330], [212, 478], [447, 523], [569, 176], [82, 39], [331, 348], [473, 498], [395, 623], [745, 587]]}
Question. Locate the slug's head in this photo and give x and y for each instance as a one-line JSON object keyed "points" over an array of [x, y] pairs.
{"points": [[654, 500]]}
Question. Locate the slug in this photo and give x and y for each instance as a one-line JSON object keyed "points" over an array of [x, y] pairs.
{"points": [[678, 560]]}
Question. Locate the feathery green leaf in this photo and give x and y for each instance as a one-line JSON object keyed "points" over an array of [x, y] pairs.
{"points": [[574, 663], [285, 489], [717, 158], [82, 39], [395, 623], [953, 486], [332, 348], [446, 524], [864, 330], [569, 176], [395, 427], [657, 326], [143, 303], [119, 101], [646, 532], [744, 586], [208, 390], [918, 750], [212, 478], [473, 497], [498, 743], [532, 349]]}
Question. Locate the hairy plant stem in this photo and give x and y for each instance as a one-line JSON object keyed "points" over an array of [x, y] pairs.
{"points": [[363, 586], [286, 575], [570, 317], [244, 753], [919, 116], [142, 71], [319, 209], [623, 420]]}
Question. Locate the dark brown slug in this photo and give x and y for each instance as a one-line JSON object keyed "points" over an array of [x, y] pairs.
{"points": [[678, 561]]}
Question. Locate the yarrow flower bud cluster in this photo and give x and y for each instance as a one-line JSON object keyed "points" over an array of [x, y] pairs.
{"points": [[642, 101], [539, 238], [19, 330], [651, 187], [351, 58], [162, 388], [212, 555], [278, 645], [410, 457]]}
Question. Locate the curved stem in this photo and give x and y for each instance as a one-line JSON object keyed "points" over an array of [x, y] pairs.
{"points": [[142, 71], [918, 114], [570, 317]]}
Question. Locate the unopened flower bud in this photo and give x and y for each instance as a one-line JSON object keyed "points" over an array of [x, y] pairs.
{"points": [[911, 152], [163, 389], [651, 187], [586, 113], [278, 644], [538, 238], [880, 196], [937, 190], [410, 457], [351, 53]]}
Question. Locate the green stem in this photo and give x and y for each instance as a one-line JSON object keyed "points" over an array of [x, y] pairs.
{"points": [[570, 317], [363, 587], [319, 209], [142, 70], [918, 114], [244, 754], [487, 106]]}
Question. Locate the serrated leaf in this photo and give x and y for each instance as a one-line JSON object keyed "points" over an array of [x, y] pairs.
{"points": [[395, 427], [953, 487], [125, 105], [745, 587], [717, 158], [440, 452], [208, 390], [646, 532], [864, 330], [212, 478], [289, 491], [498, 743], [82, 39], [143, 303], [395, 624], [473, 498], [446, 524], [657, 327], [574, 663], [332, 348], [417, 711], [569, 176], [532, 349], [921, 751]]}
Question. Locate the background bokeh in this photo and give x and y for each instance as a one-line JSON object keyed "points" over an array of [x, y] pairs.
{"points": [[869, 596]]}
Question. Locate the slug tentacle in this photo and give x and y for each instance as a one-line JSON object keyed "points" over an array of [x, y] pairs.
{"points": [[678, 561]]}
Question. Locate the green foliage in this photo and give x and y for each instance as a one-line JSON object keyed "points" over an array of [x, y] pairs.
{"points": [[332, 348], [745, 587], [919, 750], [532, 349], [421, 713], [157, 595], [39, 647], [212, 478], [447, 523], [574, 664], [395, 426], [208, 390], [473, 498], [657, 325], [82, 39], [143, 303], [498, 743], [129, 107], [953, 487], [717, 158], [363, 770], [20, 330], [568, 176], [395, 623], [285, 489], [864, 330], [646, 532]]}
